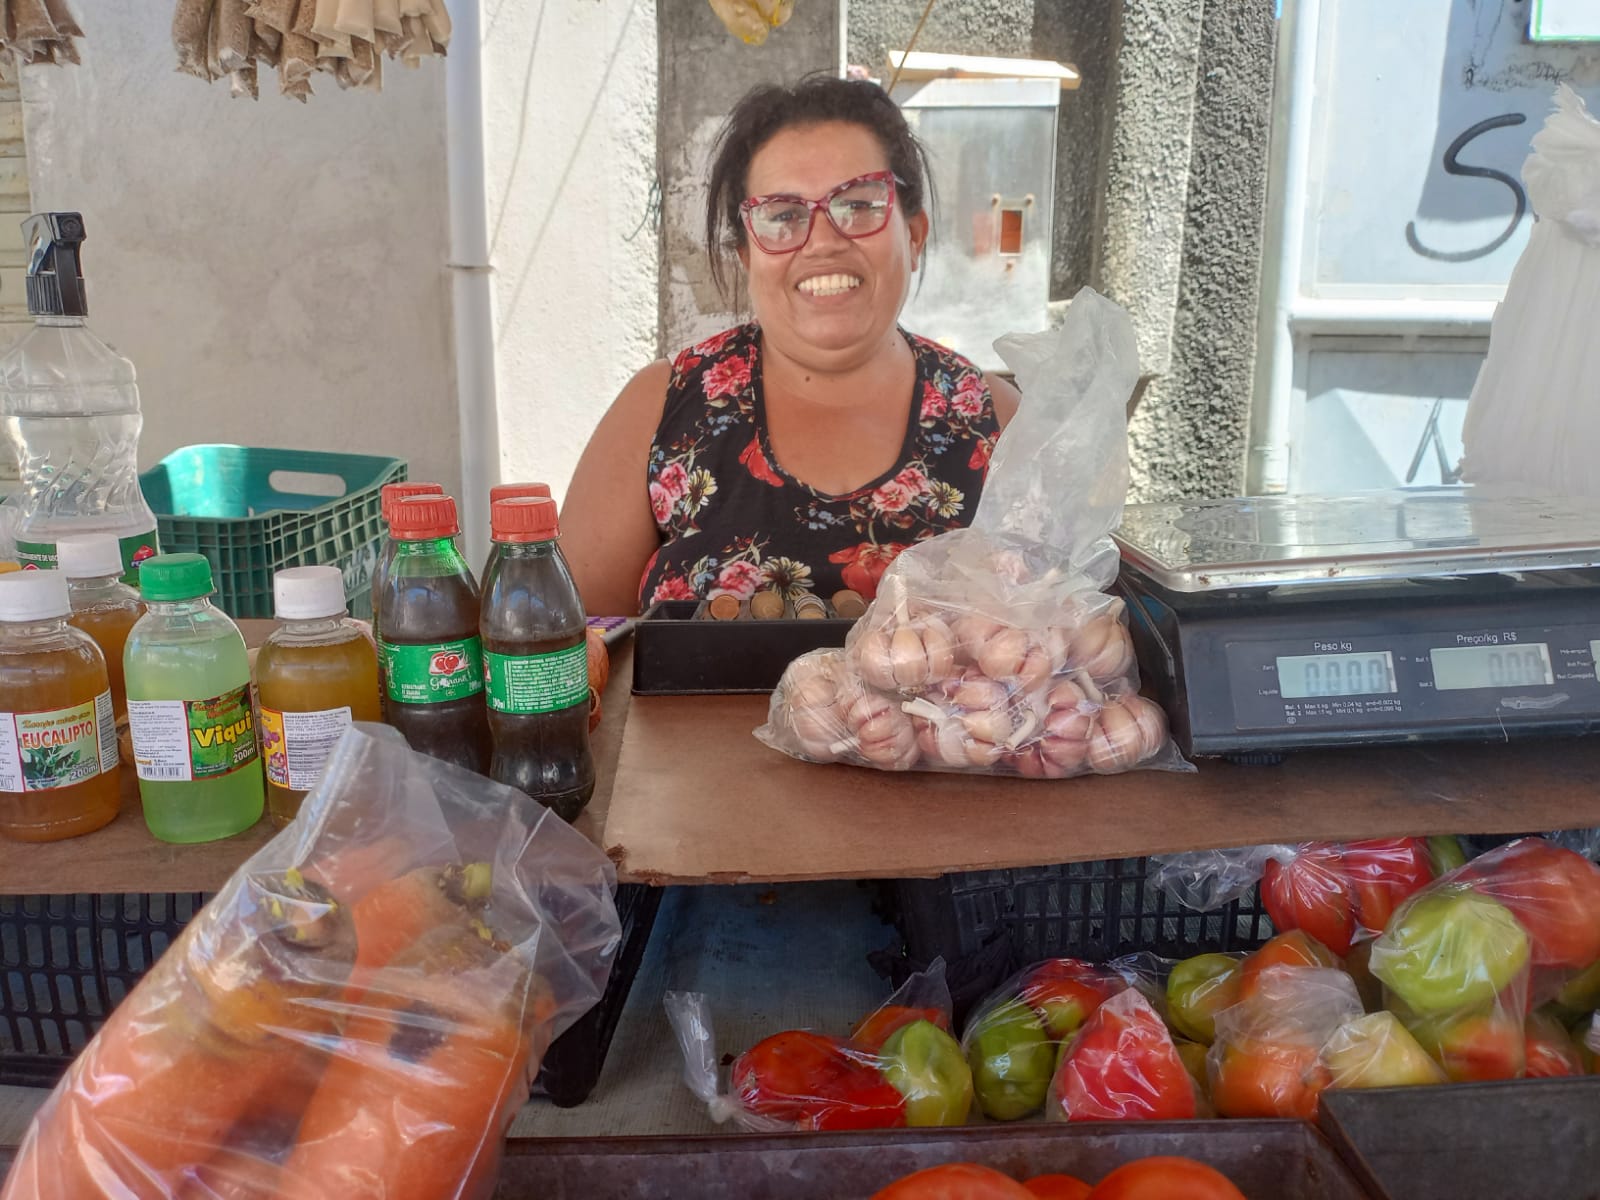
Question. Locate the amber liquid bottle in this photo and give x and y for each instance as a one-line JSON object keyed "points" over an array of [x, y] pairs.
{"points": [[536, 655], [58, 752], [316, 675], [102, 605]]}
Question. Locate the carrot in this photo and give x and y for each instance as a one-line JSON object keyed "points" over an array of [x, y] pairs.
{"points": [[234, 1015], [424, 1080], [397, 914]]}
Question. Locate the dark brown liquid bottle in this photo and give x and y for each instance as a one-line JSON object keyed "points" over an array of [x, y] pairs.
{"points": [[428, 637], [536, 654]]}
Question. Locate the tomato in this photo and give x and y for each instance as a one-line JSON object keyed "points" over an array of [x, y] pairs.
{"points": [[1165, 1178], [1554, 894], [1479, 1046], [816, 1082], [1123, 1067], [1551, 1052], [1057, 1187], [957, 1181], [1293, 949], [1311, 892], [876, 1027], [1384, 872], [1264, 1079], [1066, 992]]}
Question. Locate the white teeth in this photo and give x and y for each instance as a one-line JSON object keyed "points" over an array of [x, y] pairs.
{"points": [[829, 285]]}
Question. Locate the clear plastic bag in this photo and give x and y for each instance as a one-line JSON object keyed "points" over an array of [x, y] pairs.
{"points": [[359, 1011], [1122, 1065], [900, 1066], [1012, 1039], [1377, 1050], [994, 649]]}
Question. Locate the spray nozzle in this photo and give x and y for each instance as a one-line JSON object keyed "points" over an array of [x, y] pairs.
{"points": [[55, 266]]}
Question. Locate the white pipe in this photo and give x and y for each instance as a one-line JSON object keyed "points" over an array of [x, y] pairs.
{"points": [[472, 296], [1267, 472]]}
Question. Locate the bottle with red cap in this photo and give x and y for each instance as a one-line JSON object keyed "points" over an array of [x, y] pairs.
{"points": [[508, 491], [536, 655], [428, 637], [388, 497]]}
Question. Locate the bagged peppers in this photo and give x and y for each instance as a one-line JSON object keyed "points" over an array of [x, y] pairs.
{"points": [[357, 1013], [900, 1066], [994, 649]]}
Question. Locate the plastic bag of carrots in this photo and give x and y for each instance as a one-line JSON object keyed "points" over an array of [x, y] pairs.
{"points": [[357, 1014]]}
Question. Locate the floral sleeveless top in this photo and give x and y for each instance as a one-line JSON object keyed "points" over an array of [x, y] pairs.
{"points": [[730, 518]]}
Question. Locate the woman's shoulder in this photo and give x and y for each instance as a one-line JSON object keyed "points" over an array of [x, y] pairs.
{"points": [[960, 374], [715, 347]]}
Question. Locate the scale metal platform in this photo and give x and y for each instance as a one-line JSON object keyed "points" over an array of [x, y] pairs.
{"points": [[1269, 624]]}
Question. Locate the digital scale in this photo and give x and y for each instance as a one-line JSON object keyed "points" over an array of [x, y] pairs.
{"points": [[1269, 624]]}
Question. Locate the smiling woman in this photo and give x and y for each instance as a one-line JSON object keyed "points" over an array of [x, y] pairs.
{"points": [[803, 450]]}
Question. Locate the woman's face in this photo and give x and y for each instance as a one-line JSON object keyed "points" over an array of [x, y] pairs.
{"points": [[831, 303]]}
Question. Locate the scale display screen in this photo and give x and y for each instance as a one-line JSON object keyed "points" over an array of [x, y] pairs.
{"points": [[1302, 676], [1457, 668]]}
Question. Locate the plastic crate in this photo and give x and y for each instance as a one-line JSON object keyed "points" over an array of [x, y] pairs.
{"points": [[991, 923], [67, 961], [254, 511]]}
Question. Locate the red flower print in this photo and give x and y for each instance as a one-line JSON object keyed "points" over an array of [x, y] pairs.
{"points": [[901, 492], [913, 477], [740, 577], [968, 400], [673, 587], [934, 405], [756, 463], [726, 378], [674, 480], [661, 503], [980, 456], [865, 564], [715, 344]]}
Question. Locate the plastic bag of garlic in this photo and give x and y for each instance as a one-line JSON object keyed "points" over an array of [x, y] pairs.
{"points": [[995, 650]]}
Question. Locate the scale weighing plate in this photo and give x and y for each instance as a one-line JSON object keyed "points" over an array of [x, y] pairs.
{"points": [[1277, 623]]}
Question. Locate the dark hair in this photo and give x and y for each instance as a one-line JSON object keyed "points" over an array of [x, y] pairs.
{"points": [[771, 108]]}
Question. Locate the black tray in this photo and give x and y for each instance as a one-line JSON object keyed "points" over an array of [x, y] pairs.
{"points": [[676, 655], [1267, 1160], [1475, 1141]]}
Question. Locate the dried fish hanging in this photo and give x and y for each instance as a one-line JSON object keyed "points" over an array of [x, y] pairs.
{"points": [[37, 31], [348, 39]]}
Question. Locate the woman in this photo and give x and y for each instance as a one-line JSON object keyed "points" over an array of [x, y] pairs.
{"points": [[804, 450]]}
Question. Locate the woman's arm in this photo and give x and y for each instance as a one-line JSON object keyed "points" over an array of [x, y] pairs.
{"points": [[607, 530], [1005, 397]]}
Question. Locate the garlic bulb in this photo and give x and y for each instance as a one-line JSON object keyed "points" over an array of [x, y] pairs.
{"points": [[883, 734], [906, 656], [1117, 743], [813, 688], [972, 631], [1103, 648], [1012, 654], [972, 690]]}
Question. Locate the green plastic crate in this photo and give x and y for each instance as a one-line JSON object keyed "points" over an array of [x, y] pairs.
{"points": [[253, 511]]}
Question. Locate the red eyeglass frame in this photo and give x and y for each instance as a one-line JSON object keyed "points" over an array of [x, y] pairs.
{"points": [[813, 206]]}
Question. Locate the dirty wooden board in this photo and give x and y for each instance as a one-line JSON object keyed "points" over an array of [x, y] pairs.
{"points": [[124, 857], [698, 799]]}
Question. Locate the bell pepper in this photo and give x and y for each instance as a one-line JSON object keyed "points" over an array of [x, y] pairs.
{"points": [[1449, 949], [926, 1066], [1197, 990], [1123, 1066], [1012, 1059]]}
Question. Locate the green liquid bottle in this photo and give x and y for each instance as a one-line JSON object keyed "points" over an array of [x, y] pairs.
{"points": [[189, 703]]}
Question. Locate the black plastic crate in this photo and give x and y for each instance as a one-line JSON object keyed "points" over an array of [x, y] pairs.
{"points": [[67, 960], [675, 654], [987, 924]]}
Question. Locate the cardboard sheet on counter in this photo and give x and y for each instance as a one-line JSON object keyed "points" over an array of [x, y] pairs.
{"points": [[697, 799]]}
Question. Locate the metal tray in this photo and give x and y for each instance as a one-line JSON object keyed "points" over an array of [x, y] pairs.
{"points": [[1267, 1160], [1475, 1141], [1272, 541]]}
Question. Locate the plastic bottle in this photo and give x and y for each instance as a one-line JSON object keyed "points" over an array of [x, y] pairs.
{"points": [[508, 491], [102, 605], [72, 406], [315, 676], [194, 736], [428, 637], [58, 740], [536, 652], [390, 495]]}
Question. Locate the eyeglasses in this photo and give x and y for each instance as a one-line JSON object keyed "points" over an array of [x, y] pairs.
{"points": [[857, 208]]}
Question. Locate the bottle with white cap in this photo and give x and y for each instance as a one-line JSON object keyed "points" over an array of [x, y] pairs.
{"points": [[58, 738], [315, 676], [102, 605]]}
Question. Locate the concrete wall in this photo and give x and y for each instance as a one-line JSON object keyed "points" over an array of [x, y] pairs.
{"points": [[569, 123], [275, 270]]}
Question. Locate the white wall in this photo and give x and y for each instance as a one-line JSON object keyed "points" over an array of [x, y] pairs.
{"points": [[275, 270], [570, 127]]}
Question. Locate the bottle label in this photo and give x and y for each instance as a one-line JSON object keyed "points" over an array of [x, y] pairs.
{"points": [[526, 684], [297, 744], [435, 673], [41, 556], [57, 747], [182, 741]]}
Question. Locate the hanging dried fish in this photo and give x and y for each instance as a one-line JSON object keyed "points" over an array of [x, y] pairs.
{"points": [[233, 39], [242, 82], [189, 25]]}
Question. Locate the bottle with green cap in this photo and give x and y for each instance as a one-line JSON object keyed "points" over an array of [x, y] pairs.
{"points": [[189, 702]]}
